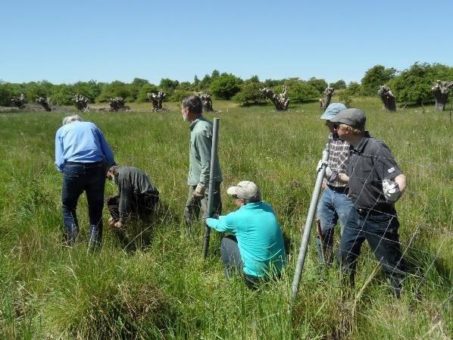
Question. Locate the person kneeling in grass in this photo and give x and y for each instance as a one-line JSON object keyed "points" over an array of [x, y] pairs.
{"points": [[137, 197], [255, 245]]}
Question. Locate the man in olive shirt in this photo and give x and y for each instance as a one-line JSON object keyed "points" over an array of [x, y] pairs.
{"points": [[200, 162], [137, 196]]}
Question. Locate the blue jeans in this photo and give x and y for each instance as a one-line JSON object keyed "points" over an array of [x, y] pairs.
{"points": [[381, 231], [333, 206], [77, 178]]}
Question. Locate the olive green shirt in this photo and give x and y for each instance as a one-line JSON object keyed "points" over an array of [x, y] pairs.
{"points": [[200, 153]]}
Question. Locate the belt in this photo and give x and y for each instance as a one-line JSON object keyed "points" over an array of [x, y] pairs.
{"points": [[87, 165], [342, 190]]}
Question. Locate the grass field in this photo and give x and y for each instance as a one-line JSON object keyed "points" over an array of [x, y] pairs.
{"points": [[166, 289]]}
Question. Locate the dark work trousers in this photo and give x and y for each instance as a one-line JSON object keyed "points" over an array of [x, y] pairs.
{"points": [[381, 231], [142, 206], [194, 205], [77, 178], [231, 258]]}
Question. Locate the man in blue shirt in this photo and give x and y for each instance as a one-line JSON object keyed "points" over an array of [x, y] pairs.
{"points": [[82, 155], [256, 247]]}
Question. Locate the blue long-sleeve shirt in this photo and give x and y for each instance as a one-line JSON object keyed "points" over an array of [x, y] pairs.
{"points": [[81, 142], [259, 237]]}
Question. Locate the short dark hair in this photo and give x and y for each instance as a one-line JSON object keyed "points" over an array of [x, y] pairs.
{"points": [[194, 104]]}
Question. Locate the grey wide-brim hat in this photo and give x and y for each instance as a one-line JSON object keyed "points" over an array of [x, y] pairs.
{"points": [[352, 117], [332, 110]]}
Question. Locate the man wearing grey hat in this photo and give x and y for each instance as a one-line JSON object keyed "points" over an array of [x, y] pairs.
{"points": [[334, 205], [256, 246], [375, 184]]}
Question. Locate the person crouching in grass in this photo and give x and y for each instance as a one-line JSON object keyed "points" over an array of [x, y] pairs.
{"points": [[254, 245]]}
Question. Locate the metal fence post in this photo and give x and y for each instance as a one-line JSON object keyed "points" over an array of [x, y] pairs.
{"points": [[215, 137]]}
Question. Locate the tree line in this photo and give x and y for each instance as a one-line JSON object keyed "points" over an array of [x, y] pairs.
{"points": [[410, 86]]}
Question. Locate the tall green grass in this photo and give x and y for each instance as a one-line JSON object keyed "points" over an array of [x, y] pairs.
{"points": [[166, 289]]}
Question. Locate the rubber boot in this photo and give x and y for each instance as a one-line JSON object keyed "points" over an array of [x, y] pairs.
{"points": [[95, 238], [71, 235], [324, 249]]}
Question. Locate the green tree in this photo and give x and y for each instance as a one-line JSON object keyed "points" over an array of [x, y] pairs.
{"points": [[338, 85], [354, 88], [168, 85], [179, 94], [63, 94], [6, 93], [196, 83], [90, 89], [114, 89], [250, 94], [253, 79], [215, 74], [142, 96], [413, 86], [205, 83], [270, 83], [136, 86], [38, 89], [300, 91], [225, 86], [319, 84], [9, 90], [376, 76]]}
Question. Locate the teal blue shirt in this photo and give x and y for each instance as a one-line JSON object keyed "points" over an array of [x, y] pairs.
{"points": [[259, 237]]}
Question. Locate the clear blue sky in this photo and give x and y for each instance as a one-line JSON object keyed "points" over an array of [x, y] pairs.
{"points": [[65, 41]]}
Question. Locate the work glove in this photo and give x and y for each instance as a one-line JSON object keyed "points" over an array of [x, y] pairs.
{"points": [[199, 191], [391, 190], [328, 174], [331, 175]]}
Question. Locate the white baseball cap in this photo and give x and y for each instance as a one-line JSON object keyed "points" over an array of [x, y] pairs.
{"points": [[244, 190]]}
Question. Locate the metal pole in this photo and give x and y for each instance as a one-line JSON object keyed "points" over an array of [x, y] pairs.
{"points": [[307, 228], [207, 232]]}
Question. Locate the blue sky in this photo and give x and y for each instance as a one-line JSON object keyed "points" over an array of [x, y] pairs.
{"points": [[65, 41]]}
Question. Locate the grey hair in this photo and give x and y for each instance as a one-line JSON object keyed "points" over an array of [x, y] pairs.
{"points": [[72, 118], [194, 104]]}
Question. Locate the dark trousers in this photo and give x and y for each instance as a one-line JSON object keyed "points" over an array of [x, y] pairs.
{"points": [[194, 205], [77, 178], [231, 258], [142, 206], [381, 232]]}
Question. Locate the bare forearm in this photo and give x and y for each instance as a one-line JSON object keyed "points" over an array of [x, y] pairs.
{"points": [[401, 181]]}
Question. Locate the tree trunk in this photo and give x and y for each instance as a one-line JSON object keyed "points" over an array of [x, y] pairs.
{"points": [[387, 97], [440, 91]]}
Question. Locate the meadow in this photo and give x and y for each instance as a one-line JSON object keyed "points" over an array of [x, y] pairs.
{"points": [[165, 289]]}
